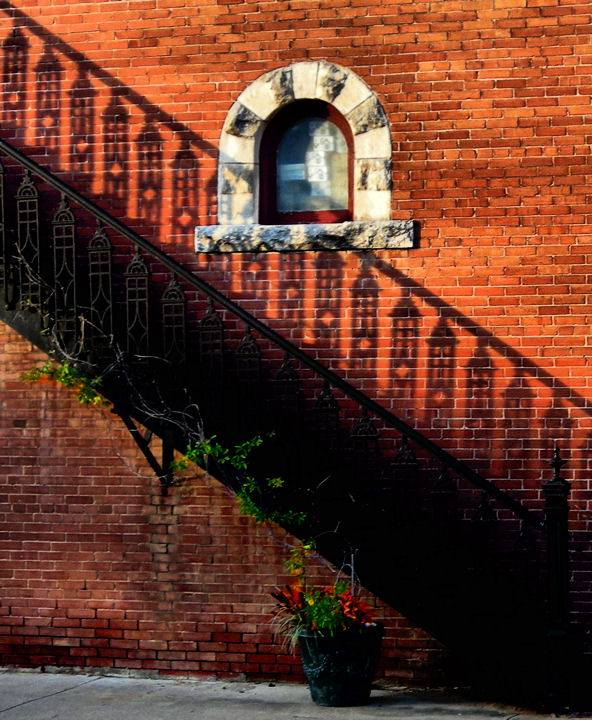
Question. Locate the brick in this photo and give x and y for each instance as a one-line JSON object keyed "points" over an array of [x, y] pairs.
{"points": [[487, 110]]}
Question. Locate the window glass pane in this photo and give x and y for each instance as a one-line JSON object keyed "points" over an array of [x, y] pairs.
{"points": [[312, 168]]}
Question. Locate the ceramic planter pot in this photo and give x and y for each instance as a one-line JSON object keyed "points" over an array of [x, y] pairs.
{"points": [[340, 669]]}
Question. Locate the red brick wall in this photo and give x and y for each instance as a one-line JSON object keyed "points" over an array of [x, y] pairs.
{"points": [[489, 105], [98, 569]]}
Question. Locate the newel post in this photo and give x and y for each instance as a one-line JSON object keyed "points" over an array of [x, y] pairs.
{"points": [[556, 493]]}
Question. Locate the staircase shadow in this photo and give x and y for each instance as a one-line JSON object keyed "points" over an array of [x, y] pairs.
{"points": [[92, 117]]}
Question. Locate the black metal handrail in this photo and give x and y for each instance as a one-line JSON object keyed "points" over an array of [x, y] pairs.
{"points": [[460, 468]]}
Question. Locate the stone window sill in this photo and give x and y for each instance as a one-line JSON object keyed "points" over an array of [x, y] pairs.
{"points": [[370, 235]]}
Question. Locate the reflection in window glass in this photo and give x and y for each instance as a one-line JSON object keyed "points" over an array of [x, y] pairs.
{"points": [[312, 168]]}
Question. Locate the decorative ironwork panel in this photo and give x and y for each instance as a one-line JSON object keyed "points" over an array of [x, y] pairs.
{"points": [[286, 388], [7, 284], [3, 249], [248, 359], [285, 407], [326, 420], [248, 375], [82, 110], [64, 253], [100, 299], [48, 82], [173, 322], [14, 78], [248, 356], [405, 457], [404, 476], [527, 559], [485, 533], [211, 385], [28, 251], [211, 342], [136, 283], [365, 455], [445, 499]]}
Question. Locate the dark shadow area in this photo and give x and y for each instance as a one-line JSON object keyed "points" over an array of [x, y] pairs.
{"points": [[185, 190], [404, 343], [15, 50], [49, 74], [149, 145], [82, 98], [442, 367], [328, 301], [365, 295], [115, 122]]}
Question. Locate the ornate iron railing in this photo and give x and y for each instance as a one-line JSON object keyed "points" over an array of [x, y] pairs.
{"points": [[27, 195], [385, 490]]}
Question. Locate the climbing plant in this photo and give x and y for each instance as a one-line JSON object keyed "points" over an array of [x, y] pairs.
{"points": [[70, 377]]}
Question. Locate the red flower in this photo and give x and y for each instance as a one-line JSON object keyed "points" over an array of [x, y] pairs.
{"points": [[290, 600], [355, 609]]}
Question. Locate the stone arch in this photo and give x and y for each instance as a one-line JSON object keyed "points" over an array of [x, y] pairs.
{"points": [[238, 168]]}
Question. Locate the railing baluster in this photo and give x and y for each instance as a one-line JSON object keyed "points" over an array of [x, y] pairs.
{"points": [[3, 249], [27, 204], [210, 380], [484, 536], [445, 500], [211, 343], [99, 330], [326, 422], [286, 390], [364, 470], [285, 410], [136, 303], [173, 323], [404, 471], [248, 390], [65, 304]]}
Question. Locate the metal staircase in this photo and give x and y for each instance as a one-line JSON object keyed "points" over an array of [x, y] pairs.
{"points": [[432, 537]]}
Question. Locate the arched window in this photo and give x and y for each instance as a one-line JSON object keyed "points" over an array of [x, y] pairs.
{"points": [[306, 158], [302, 144]]}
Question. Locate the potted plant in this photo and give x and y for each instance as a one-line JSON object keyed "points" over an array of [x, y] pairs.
{"points": [[338, 638]]}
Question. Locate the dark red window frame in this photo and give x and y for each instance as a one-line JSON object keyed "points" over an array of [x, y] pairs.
{"points": [[285, 119]]}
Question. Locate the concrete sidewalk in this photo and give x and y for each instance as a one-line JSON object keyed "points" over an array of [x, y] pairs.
{"points": [[32, 695]]}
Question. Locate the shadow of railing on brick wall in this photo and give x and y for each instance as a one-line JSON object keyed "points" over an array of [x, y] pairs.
{"points": [[72, 114]]}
